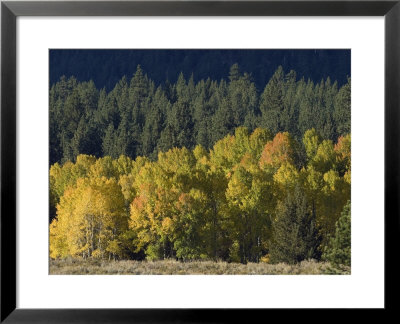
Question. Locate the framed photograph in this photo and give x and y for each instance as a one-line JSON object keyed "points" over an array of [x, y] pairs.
{"points": [[188, 161]]}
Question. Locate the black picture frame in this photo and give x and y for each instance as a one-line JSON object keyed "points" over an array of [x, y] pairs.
{"points": [[10, 10]]}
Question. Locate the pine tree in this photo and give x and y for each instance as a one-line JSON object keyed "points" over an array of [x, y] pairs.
{"points": [[289, 115], [242, 96], [306, 105], [152, 130], [342, 112], [338, 251], [109, 141], [202, 112], [234, 73], [295, 235], [271, 102], [78, 139]]}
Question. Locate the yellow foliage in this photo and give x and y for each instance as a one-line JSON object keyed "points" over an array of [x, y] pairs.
{"points": [[229, 194], [331, 179], [287, 175], [265, 258], [347, 177], [167, 225], [88, 216], [311, 142]]}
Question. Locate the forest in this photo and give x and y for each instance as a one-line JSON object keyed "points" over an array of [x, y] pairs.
{"points": [[107, 66], [206, 170]]}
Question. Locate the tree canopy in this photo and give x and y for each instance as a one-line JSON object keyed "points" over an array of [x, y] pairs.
{"points": [[245, 198], [136, 118]]}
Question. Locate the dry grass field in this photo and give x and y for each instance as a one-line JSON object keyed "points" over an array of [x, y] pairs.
{"points": [[172, 267]]}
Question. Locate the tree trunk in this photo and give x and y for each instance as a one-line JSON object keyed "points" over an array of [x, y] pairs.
{"points": [[215, 230]]}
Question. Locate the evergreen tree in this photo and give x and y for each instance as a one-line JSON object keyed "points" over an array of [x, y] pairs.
{"points": [[154, 124], [202, 113], [289, 115], [295, 235], [338, 252], [121, 94], [234, 72], [78, 139], [271, 102], [342, 112], [55, 118], [122, 140], [109, 142], [222, 122], [306, 107]]}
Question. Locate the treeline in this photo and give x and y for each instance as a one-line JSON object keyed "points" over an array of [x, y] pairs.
{"points": [[137, 118], [252, 197], [106, 67]]}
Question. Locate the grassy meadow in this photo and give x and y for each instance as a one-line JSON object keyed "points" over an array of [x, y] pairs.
{"points": [[172, 267]]}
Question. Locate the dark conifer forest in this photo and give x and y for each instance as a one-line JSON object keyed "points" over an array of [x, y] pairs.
{"points": [[106, 67], [235, 168], [138, 118]]}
